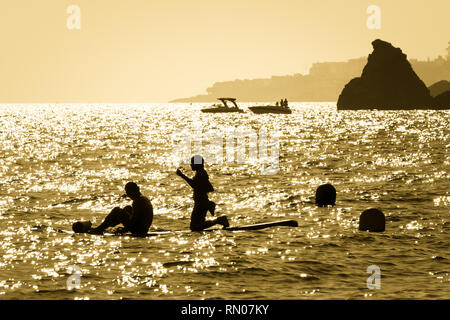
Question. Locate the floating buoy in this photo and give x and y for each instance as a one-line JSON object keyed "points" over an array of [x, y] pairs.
{"points": [[325, 195], [372, 220]]}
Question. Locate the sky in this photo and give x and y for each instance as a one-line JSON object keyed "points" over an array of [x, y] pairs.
{"points": [[156, 51]]}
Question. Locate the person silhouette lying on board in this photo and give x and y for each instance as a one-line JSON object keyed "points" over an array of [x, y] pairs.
{"points": [[201, 186], [136, 218]]}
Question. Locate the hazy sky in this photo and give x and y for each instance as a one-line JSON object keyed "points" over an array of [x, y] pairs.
{"points": [[147, 50]]}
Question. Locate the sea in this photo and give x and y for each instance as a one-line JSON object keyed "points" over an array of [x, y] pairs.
{"points": [[62, 163]]}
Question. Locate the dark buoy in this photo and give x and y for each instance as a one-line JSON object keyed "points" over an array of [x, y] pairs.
{"points": [[372, 220], [325, 195]]}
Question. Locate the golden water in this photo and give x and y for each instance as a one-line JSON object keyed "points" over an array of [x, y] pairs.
{"points": [[64, 163]]}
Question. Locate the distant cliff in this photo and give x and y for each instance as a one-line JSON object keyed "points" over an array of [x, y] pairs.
{"points": [[439, 88], [323, 83]]}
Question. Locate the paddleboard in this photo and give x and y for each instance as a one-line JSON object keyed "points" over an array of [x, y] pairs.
{"points": [[257, 226]]}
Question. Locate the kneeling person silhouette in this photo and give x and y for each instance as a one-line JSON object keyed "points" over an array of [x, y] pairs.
{"points": [[201, 186]]}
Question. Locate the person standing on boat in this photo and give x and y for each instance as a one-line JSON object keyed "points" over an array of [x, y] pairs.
{"points": [[201, 186]]}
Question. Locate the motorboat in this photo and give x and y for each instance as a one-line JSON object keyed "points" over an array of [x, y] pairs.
{"points": [[224, 107], [271, 109]]}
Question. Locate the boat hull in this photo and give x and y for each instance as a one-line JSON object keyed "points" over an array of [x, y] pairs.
{"points": [[270, 109], [221, 110]]}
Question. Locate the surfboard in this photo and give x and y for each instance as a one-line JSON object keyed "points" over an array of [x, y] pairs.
{"points": [[257, 226]]}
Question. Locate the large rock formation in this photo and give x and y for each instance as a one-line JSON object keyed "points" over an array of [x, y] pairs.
{"points": [[387, 82]]}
